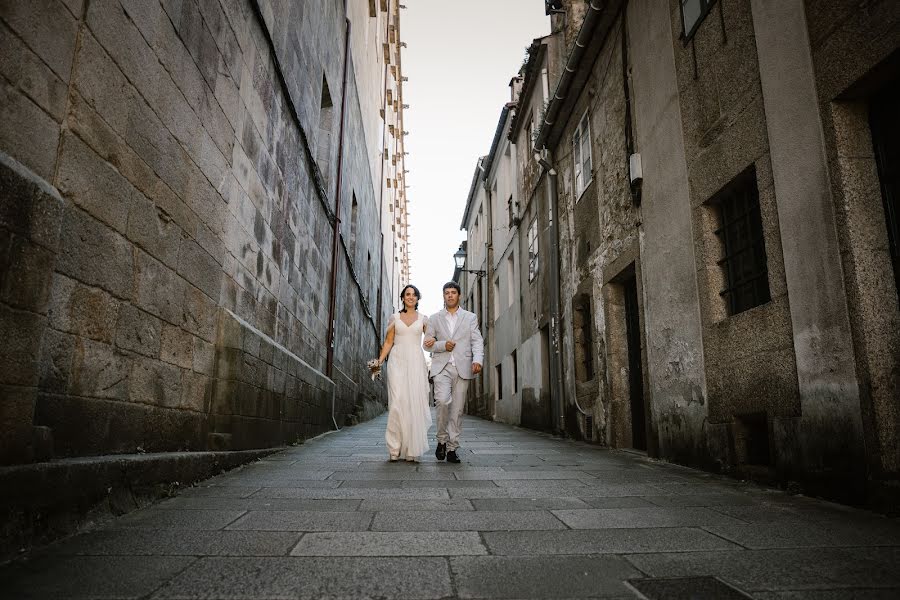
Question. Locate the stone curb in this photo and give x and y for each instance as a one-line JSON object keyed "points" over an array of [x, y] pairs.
{"points": [[41, 502]]}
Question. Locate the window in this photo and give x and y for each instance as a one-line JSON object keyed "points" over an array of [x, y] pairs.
{"points": [[515, 373], [581, 147], [354, 219], [511, 278], [692, 14], [326, 124], [498, 381], [583, 325], [510, 209], [740, 230], [529, 134], [496, 298], [532, 249]]}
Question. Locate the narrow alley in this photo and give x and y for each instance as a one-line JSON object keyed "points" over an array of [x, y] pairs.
{"points": [[524, 515]]}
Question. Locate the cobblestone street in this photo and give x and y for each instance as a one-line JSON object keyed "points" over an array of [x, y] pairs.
{"points": [[523, 516]]}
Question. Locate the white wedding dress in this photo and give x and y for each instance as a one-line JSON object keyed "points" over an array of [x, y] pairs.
{"points": [[409, 416]]}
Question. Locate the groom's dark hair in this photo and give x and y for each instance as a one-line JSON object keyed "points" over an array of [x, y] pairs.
{"points": [[452, 284]]}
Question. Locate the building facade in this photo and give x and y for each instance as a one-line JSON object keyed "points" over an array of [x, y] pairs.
{"points": [[203, 221], [725, 287]]}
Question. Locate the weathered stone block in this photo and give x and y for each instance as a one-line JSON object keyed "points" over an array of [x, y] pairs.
{"points": [[196, 391], [160, 291], [199, 316], [229, 363], [138, 331], [155, 382], [57, 352], [46, 26], [204, 357], [99, 371], [94, 185], [253, 370], [98, 134], [19, 354], [26, 71], [231, 331], [30, 207], [86, 311], [199, 268], [252, 342], [94, 254], [25, 274], [154, 230], [16, 418], [177, 347], [26, 132]]}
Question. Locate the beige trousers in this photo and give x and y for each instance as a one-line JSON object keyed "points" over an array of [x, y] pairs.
{"points": [[450, 397]]}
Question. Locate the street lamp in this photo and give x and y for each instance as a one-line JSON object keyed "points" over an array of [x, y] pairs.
{"points": [[460, 259]]}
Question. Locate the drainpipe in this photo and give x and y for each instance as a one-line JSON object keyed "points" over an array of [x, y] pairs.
{"points": [[557, 403], [489, 296], [329, 359]]}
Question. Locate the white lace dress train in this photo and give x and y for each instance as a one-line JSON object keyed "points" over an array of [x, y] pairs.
{"points": [[409, 416]]}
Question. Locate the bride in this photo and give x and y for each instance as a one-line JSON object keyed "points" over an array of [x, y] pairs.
{"points": [[409, 417]]}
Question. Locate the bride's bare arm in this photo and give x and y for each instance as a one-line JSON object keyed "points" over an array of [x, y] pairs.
{"points": [[388, 343], [428, 342]]}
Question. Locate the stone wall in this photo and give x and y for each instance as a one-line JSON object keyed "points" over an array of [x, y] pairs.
{"points": [[180, 138]]}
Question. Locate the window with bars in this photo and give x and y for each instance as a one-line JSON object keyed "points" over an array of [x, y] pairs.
{"points": [[581, 147], [532, 249], [692, 14], [740, 230]]}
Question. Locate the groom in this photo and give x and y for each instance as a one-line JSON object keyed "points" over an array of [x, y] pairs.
{"points": [[457, 354]]}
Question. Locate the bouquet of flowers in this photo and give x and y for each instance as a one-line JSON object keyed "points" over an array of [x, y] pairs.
{"points": [[374, 369]]}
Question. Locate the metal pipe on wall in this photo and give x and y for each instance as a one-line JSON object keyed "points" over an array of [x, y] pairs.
{"points": [[329, 358], [557, 405]]}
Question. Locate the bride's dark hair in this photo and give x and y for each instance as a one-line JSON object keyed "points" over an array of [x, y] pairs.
{"points": [[403, 293]]}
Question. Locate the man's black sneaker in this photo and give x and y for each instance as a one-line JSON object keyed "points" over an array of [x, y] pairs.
{"points": [[452, 457], [441, 452]]}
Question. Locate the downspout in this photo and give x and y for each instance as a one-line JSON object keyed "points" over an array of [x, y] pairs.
{"points": [[557, 405], [329, 360], [542, 154], [568, 74], [490, 278]]}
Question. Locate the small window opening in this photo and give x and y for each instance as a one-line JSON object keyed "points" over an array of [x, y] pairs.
{"points": [[744, 262]]}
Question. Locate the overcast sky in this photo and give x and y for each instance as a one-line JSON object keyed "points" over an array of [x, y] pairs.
{"points": [[459, 58]]}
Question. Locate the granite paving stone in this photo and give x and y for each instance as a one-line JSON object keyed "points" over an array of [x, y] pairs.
{"points": [[603, 541], [521, 475], [385, 504], [530, 577], [176, 542], [312, 577], [302, 520], [177, 519], [360, 493], [649, 516], [90, 576], [380, 543], [776, 535], [793, 568], [527, 503], [258, 503], [464, 521]]}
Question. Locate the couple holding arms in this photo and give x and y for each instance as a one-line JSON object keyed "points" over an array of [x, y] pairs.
{"points": [[457, 348]]}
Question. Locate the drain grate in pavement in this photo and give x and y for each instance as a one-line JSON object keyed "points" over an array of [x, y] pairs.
{"points": [[686, 588]]}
